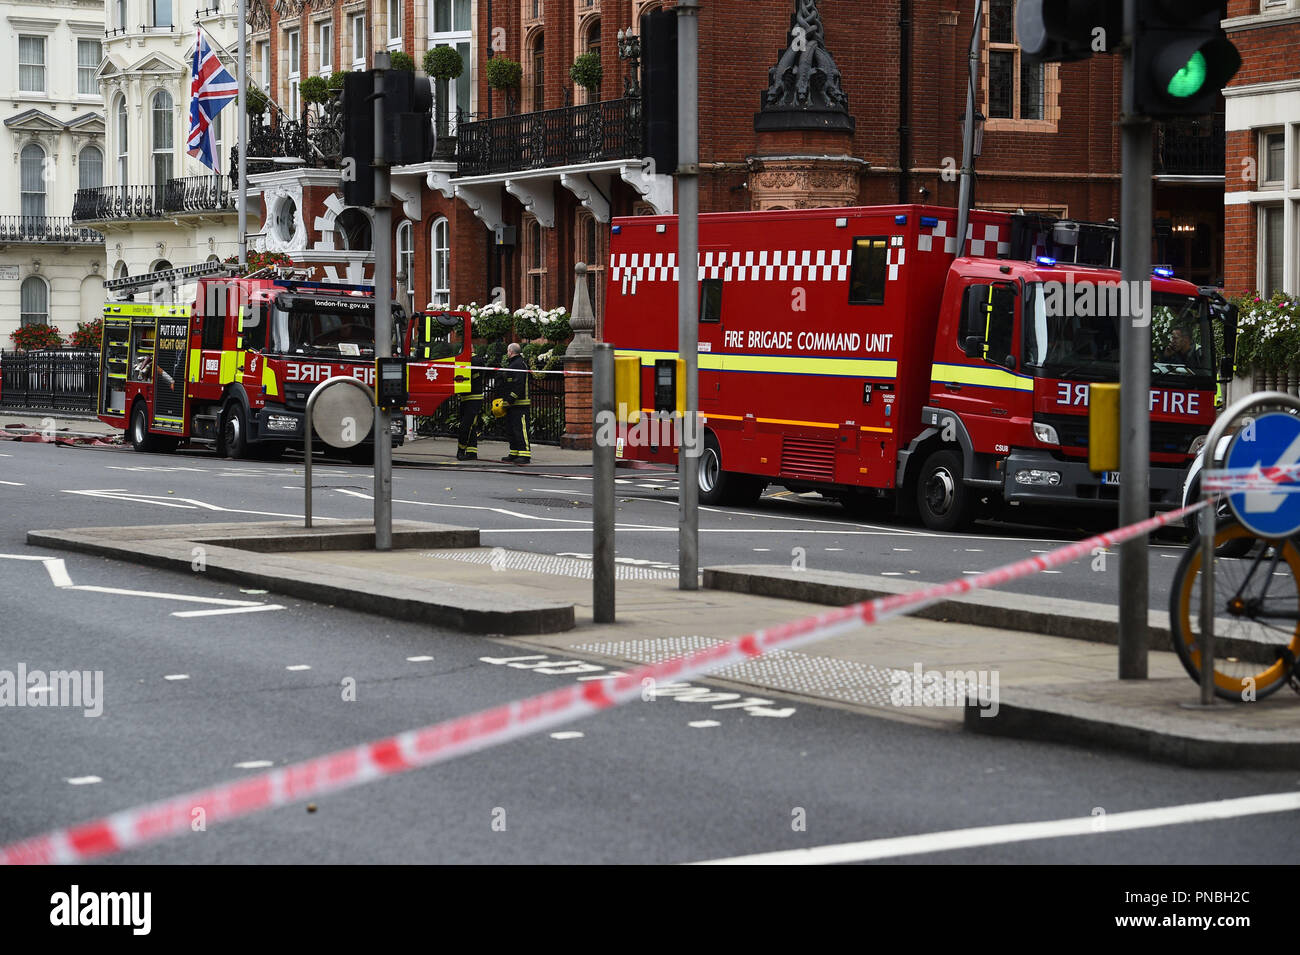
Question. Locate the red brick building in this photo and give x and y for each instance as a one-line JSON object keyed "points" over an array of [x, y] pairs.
{"points": [[528, 185]]}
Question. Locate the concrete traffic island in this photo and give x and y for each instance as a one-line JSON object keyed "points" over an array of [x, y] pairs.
{"points": [[282, 557]]}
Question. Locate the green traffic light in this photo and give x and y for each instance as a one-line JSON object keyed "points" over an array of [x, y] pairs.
{"points": [[1189, 80]]}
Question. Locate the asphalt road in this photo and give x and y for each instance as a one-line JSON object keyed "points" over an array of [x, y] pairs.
{"points": [[192, 701]]}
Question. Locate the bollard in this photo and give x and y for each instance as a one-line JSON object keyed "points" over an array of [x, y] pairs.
{"points": [[602, 524]]}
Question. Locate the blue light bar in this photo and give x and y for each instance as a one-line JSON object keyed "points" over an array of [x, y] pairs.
{"points": [[1163, 273], [929, 221], [617, 229], [1046, 260], [900, 220]]}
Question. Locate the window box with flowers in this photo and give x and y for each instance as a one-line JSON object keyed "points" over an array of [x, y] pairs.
{"points": [[1268, 341], [36, 337]]}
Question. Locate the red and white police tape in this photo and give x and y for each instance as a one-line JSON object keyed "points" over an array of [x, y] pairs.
{"points": [[1276, 479], [440, 742]]}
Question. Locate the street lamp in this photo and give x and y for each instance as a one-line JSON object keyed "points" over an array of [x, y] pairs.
{"points": [[629, 48], [979, 133]]}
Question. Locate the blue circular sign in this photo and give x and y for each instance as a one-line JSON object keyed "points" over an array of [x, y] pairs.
{"points": [[1270, 440]]}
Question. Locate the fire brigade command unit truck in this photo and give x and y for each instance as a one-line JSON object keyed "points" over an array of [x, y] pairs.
{"points": [[851, 351], [235, 368]]}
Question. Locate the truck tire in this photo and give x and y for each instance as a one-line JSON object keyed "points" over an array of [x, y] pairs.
{"points": [[725, 487], [943, 500], [233, 439], [138, 430]]}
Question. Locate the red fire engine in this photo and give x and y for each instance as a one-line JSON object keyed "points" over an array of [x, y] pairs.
{"points": [[852, 352], [235, 369]]}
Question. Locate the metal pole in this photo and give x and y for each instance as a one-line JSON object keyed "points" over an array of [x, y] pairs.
{"points": [[383, 314], [967, 191], [307, 461], [602, 526], [688, 332], [1208, 528], [241, 124], [1135, 372]]}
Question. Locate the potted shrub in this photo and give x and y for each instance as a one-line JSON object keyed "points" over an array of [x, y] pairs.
{"points": [[255, 101], [586, 72], [87, 335], [336, 80], [443, 64], [402, 61], [36, 337]]}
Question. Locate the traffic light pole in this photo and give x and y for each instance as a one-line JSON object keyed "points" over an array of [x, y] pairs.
{"points": [[1135, 368], [383, 314], [967, 192], [688, 330], [241, 131]]}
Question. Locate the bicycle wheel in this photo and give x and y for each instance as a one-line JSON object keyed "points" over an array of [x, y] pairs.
{"points": [[1255, 646]]}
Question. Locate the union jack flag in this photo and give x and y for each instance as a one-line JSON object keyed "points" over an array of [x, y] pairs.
{"points": [[211, 89]]}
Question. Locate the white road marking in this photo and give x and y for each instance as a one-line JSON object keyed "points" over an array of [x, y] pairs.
{"points": [[418, 659], [185, 503], [972, 573], [952, 839], [569, 734], [836, 550], [221, 601], [903, 550], [216, 613], [1052, 571], [891, 573], [255, 764], [84, 780], [298, 666], [762, 550], [13, 483], [177, 676], [703, 724]]}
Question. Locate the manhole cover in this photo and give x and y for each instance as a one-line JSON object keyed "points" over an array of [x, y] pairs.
{"points": [[548, 502]]}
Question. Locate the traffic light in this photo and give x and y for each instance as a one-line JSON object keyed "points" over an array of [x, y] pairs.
{"points": [[659, 97], [408, 118], [1181, 57], [1062, 31], [358, 140]]}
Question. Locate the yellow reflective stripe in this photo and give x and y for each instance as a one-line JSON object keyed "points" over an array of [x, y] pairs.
{"points": [[881, 430], [268, 381], [780, 364], [985, 377], [226, 371], [147, 310], [195, 362], [988, 322], [461, 378]]}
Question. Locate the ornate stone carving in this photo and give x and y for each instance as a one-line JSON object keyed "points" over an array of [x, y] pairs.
{"points": [[804, 89], [804, 182], [259, 16]]}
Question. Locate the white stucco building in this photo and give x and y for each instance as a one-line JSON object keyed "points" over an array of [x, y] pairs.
{"points": [[51, 268], [158, 207]]}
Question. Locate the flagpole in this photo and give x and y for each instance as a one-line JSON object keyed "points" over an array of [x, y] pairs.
{"points": [[242, 134]]}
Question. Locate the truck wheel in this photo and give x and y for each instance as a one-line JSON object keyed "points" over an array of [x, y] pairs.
{"points": [[234, 431], [725, 487], [138, 432], [941, 497]]}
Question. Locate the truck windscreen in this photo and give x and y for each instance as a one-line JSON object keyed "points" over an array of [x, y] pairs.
{"points": [[323, 331], [1078, 337]]}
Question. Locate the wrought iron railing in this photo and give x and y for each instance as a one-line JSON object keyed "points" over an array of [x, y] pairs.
{"points": [[595, 132], [58, 230], [1190, 147], [545, 417], [314, 140], [199, 194], [54, 380], [119, 202]]}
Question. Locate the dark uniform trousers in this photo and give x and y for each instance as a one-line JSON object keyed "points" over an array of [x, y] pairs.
{"points": [[471, 412], [517, 413]]}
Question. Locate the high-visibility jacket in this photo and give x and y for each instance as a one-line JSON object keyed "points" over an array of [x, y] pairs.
{"points": [[516, 382]]}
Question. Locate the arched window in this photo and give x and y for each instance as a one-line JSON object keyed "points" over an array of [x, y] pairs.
{"points": [[163, 141], [352, 231], [593, 46], [35, 301], [123, 141], [33, 180], [539, 72], [90, 168], [440, 292], [405, 259], [120, 271]]}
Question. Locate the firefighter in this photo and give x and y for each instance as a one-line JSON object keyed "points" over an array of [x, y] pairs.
{"points": [[471, 410], [518, 404]]}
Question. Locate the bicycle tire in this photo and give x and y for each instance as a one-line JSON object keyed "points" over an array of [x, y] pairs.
{"points": [[1252, 658]]}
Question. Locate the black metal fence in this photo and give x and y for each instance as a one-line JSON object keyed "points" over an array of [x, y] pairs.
{"points": [[58, 230], [545, 418], [65, 379], [595, 132]]}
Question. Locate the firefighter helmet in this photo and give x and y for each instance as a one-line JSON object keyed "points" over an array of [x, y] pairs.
{"points": [[498, 407]]}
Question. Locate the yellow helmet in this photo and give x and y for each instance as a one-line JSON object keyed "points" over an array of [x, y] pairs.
{"points": [[498, 407]]}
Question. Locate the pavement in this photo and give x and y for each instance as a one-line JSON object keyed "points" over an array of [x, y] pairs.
{"points": [[1047, 665]]}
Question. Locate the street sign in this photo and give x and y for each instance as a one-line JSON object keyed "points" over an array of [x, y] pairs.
{"points": [[1271, 440]]}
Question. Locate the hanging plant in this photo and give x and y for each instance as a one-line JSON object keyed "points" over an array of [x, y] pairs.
{"points": [[402, 61], [444, 63], [504, 73], [586, 71]]}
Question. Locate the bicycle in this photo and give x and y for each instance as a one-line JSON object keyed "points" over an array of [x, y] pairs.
{"points": [[1256, 613]]}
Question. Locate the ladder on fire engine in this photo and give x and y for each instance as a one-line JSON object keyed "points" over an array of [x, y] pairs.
{"points": [[164, 280]]}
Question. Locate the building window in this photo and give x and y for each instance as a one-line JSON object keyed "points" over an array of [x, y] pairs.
{"points": [[452, 26], [352, 231], [32, 173], [591, 246], [534, 261], [121, 15], [1272, 243], [35, 301], [31, 64], [1015, 87], [123, 141], [440, 293], [326, 49], [163, 141], [405, 258], [162, 13], [90, 168], [359, 42], [295, 64], [394, 22], [1272, 166], [89, 53], [538, 64]]}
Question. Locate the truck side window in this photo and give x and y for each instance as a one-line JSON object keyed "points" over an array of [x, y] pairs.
{"points": [[870, 264], [214, 322], [711, 300], [989, 314], [255, 327]]}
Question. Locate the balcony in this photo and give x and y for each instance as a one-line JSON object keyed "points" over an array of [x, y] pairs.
{"points": [[1190, 147], [315, 141], [569, 136], [188, 195], [45, 230]]}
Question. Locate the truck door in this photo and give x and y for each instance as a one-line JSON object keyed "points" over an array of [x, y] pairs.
{"points": [[440, 352], [984, 388]]}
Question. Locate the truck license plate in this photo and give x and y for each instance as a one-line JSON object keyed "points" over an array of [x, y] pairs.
{"points": [[1110, 477]]}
